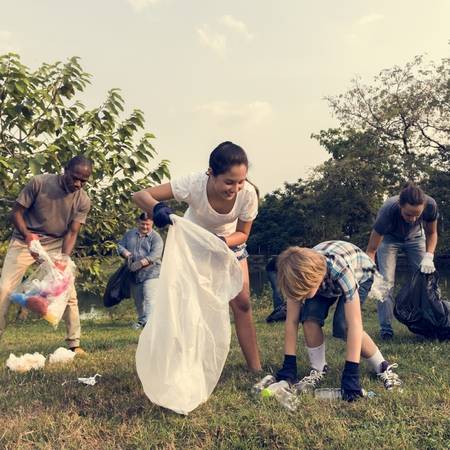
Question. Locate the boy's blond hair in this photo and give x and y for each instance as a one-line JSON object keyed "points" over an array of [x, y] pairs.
{"points": [[300, 270]]}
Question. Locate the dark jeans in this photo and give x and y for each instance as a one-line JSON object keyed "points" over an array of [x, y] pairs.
{"points": [[277, 299], [316, 309]]}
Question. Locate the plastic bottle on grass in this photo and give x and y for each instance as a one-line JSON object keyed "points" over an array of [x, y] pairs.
{"points": [[328, 394], [266, 381], [336, 394], [282, 393]]}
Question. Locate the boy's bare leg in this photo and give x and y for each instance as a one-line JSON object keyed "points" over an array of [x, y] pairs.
{"points": [[368, 347], [313, 333]]}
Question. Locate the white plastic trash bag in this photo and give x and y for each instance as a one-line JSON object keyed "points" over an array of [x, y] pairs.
{"points": [[183, 347]]}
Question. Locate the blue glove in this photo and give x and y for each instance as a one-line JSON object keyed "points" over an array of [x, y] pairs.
{"points": [[161, 215], [289, 370], [351, 389]]}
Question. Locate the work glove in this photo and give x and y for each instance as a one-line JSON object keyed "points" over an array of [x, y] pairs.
{"points": [[28, 239], [427, 264], [289, 370], [161, 215], [138, 265], [351, 389]]}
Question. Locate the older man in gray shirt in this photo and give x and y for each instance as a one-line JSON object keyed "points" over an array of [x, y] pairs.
{"points": [[50, 208]]}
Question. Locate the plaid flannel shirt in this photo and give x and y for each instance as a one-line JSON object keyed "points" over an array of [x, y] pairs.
{"points": [[347, 267]]}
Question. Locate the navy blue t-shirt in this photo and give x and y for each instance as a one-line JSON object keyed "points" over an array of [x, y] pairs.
{"points": [[390, 221]]}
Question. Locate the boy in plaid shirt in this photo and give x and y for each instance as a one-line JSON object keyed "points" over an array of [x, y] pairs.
{"points": [[312, 280]]}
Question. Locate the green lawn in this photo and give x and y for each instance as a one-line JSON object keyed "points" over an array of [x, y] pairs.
{"points": [[37, 411]]}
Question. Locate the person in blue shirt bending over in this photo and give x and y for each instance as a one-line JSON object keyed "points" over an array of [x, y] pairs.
{"points": [[407, 223], [142, 247]]}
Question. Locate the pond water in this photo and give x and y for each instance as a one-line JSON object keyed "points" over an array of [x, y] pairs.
{"points": [[258, 282]]}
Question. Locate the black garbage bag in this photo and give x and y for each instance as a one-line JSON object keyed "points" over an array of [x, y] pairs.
{"points": [[118, 286], [420, 307]]}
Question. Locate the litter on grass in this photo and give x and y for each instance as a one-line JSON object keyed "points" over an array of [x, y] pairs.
{"points": [[61, 355], [25, 362], [90, 381]]}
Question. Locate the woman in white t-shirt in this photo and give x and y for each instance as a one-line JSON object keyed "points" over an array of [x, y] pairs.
{"points": [[225, 203]]}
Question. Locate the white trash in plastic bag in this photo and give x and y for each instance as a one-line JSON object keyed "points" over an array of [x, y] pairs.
{"points": [[380, 287], [184, 346], [47, 290], [61, 355], [25, 362]]}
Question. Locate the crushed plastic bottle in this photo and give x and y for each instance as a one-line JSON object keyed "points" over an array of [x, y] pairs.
{"points": [[266, 381], [282, 393], [328, 394], [336, 394]]}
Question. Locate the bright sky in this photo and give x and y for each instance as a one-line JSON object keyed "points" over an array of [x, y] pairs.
{"points": [[251, 71]]}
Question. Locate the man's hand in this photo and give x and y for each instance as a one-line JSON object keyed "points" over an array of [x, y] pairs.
{"points": [[427, 264], [289, 370], [28, 239], [161, 215], [138, 265], [351, 389]]}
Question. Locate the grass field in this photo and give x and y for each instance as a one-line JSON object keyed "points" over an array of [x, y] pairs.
{"points": [[37, 411]]}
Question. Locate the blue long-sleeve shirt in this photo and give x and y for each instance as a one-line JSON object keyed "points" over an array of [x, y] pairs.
{"points": [[149, 246]]}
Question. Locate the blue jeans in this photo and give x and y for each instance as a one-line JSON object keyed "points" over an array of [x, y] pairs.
{"points": [[414, 249], [316, 309], [143, 294], [277, 299]]}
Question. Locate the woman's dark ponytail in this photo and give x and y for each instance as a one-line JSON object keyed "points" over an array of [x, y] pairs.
{"points": [[412, 195]]}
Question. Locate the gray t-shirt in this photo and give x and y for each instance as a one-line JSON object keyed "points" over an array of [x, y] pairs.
{"points": [[50, 208], [389, 220]]}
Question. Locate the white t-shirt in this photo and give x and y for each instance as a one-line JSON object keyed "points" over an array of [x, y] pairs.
{"points": [[192, 190]]}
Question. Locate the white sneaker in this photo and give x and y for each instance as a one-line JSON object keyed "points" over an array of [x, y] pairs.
{"points": [[311, 381], [389, 378]]}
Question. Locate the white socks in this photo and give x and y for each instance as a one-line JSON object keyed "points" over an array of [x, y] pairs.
{"points": [[318, 361], [375, 361], [317, 357]]}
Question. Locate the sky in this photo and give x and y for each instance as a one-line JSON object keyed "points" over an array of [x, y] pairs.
{"points": [[251, 71]]}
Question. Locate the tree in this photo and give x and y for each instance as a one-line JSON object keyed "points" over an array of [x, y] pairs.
{"points": [[42, 125], [395, 129], [407, 109]]}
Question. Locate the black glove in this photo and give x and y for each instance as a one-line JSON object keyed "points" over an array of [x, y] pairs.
{"points": [[289, 370], [161, 215], [351, 389]]}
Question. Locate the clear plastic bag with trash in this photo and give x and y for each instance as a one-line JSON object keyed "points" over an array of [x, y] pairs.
{"points": [[380, 287], [47, 290]]}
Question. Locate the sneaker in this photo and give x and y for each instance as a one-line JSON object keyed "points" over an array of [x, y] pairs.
{"points": [[277, 315], [389, 378], [137, 326], [311, 381], [78, 351], [387, 335]]}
